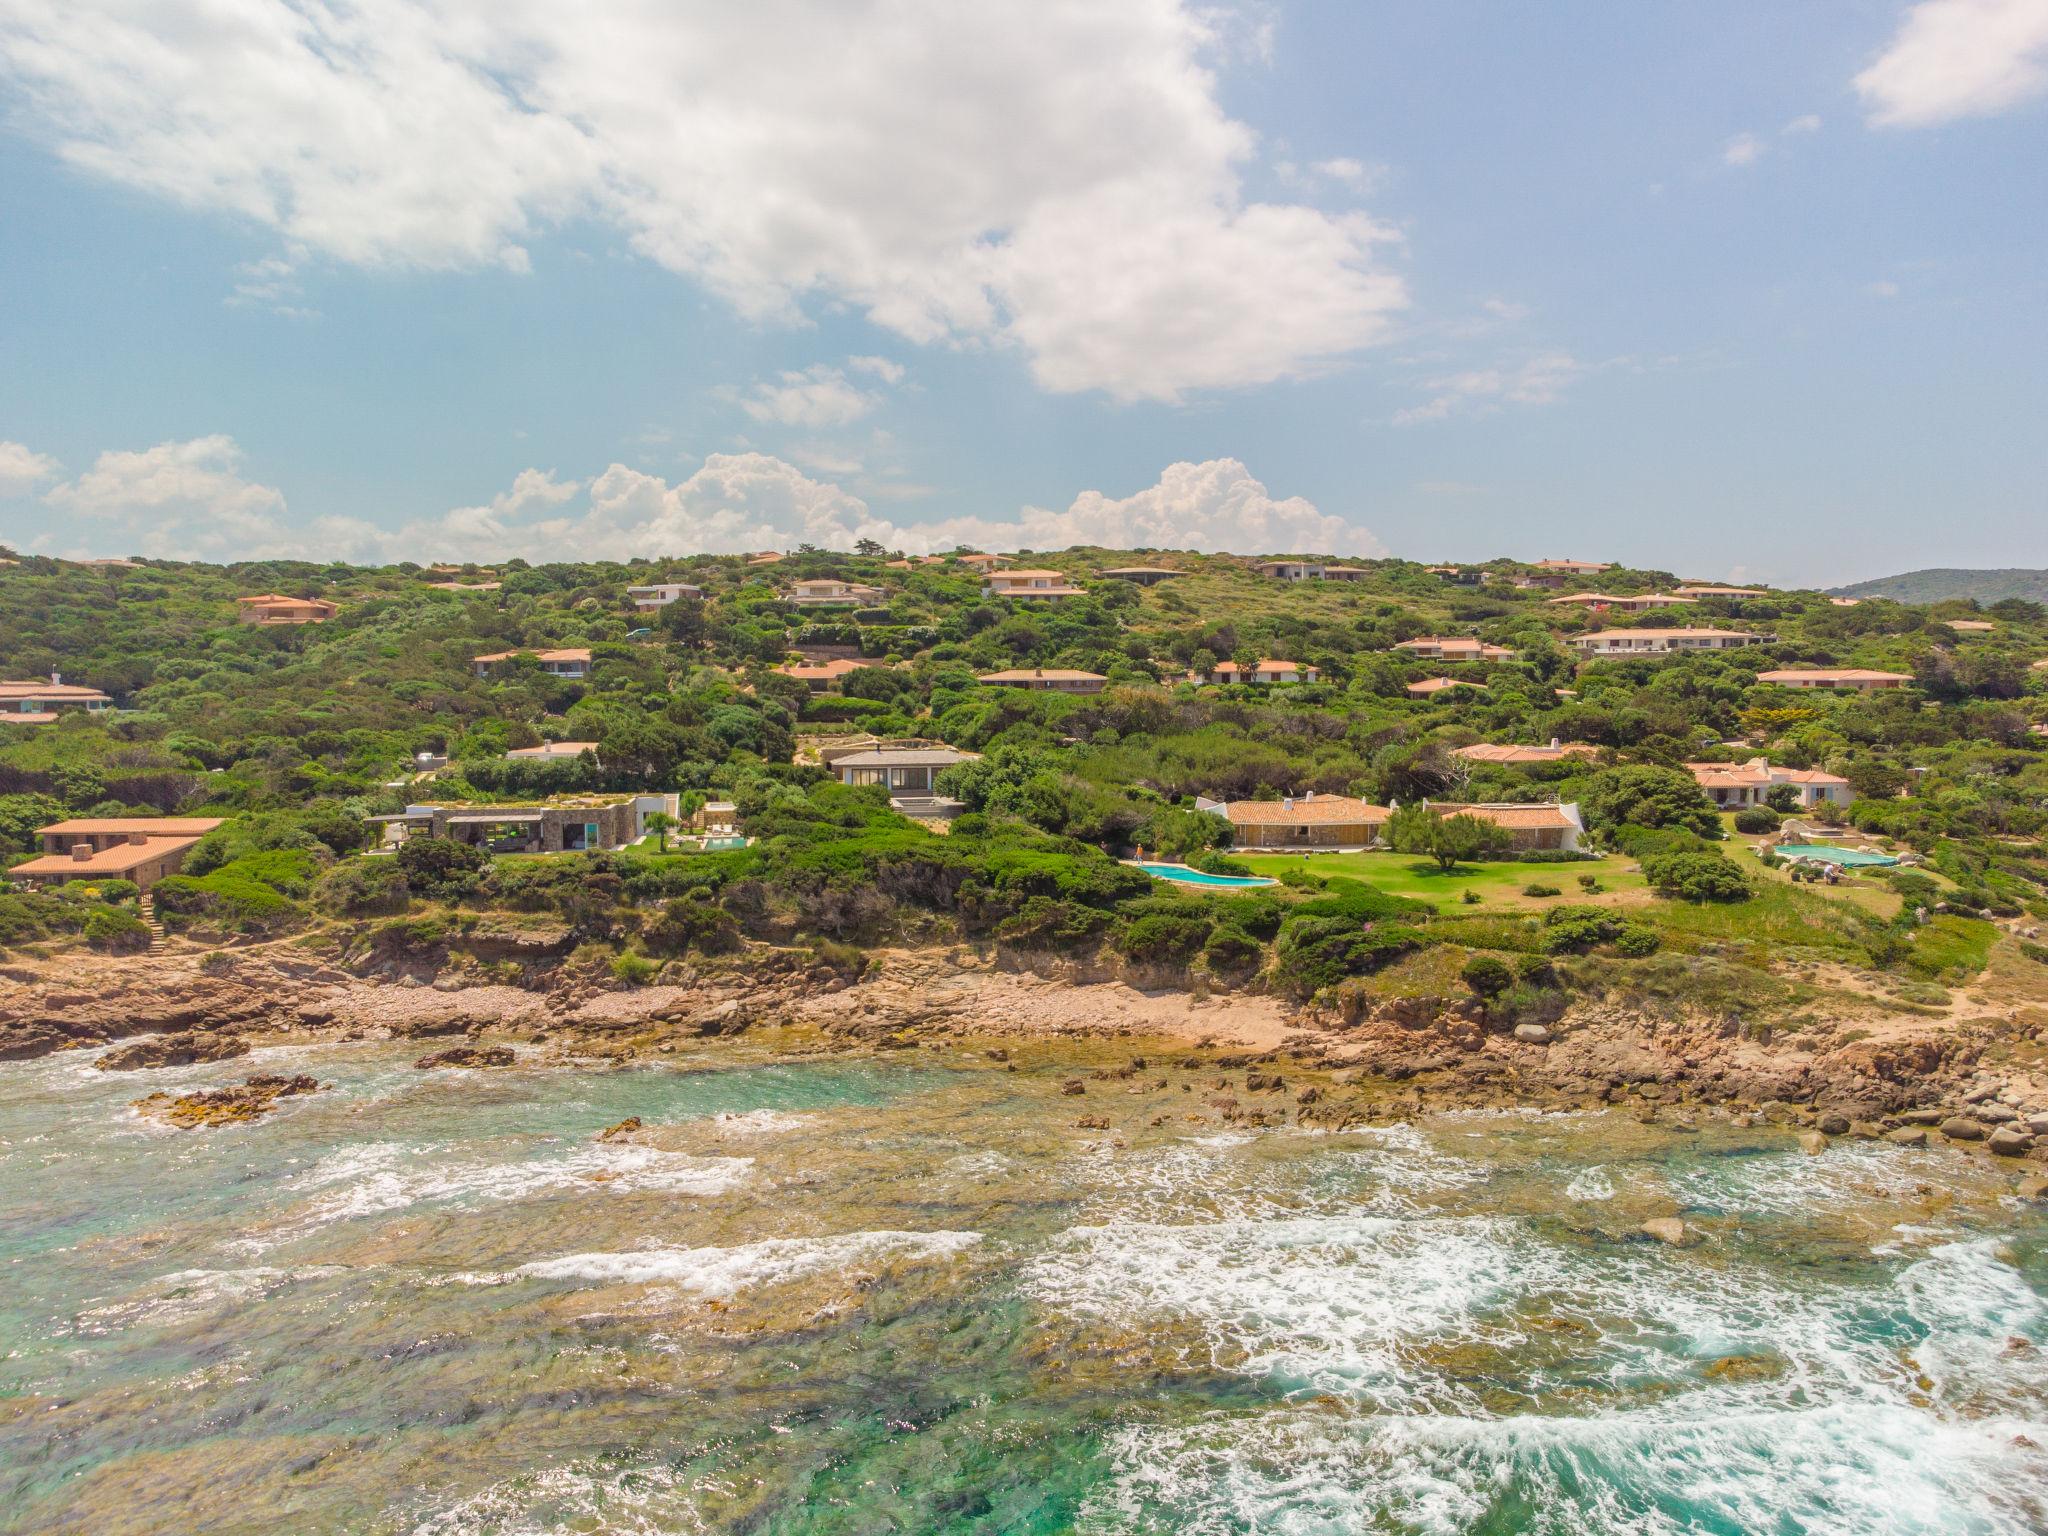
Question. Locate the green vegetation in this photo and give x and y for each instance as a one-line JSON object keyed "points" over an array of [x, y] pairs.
{"points": [[298, 735]]}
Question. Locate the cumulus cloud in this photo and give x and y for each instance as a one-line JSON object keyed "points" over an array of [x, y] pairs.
{"points": [[818, 396], [1958, 58], [1743, 149], [1058, 178], [1539, 380], [186, 498], [22, 469]]}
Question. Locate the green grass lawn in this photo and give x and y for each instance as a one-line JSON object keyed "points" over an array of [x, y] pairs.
{"points": [[1498, 882]]}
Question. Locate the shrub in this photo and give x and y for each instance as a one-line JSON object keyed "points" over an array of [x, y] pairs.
{"points": [[1230, 948], [1165, 938], [1318, 952], [116, 931], [441, 868], [1536, 971], [1642, 795], [1589, 883], [363, 888], [1697, 877], [1486, 976], [1470, 897], [634, 970], [1636, 941], [1534, 888], [692, 922], [1575, 930], [1758, 819]]}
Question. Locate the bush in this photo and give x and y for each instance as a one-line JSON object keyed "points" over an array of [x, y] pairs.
{"points": [[441, 868], [1165, 938], [1756, 819], [1318, 952], [1697, 877], [116, 931], [1575, 930], [1642, 795], [1535, 889], [692, 922], [363, 888], [1486, 976], [1589, 883], [1230, 948], [634, 970], [1636, 941]]}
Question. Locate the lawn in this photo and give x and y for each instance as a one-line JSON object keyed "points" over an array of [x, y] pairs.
{"points": [[1496, 881]]}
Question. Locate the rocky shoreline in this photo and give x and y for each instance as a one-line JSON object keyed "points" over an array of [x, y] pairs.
{"points": [[1918, 1082]]}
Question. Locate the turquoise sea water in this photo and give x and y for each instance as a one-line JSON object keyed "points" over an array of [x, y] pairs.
{"points": [[912, 1295]]}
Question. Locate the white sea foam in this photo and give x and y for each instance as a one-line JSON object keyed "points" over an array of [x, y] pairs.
{"points": [[1590, 1184], [1792, 1183], [387, 1176], [1842, 1469], [727, 1271], [188, 1293], [760, 1122], [643, 1499]]}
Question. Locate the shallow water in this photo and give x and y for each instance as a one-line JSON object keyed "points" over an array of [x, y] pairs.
{"points": [[909, 1295]]}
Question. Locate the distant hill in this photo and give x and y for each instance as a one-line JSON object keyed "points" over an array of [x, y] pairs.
{"points": [[1938, 585]]}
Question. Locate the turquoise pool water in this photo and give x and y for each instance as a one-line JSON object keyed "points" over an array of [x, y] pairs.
{"points": [[1180, 874], [1849, 858]]}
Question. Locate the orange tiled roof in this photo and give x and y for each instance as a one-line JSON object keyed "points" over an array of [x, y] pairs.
{"points": [[121, 826], [1305, 811], [1841, 674], [1515, 818]]}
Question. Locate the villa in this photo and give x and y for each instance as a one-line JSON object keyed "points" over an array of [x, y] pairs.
{"points": [[826, 592], [1264, 672], [557, 824], [982, 563], [1456, 575], [1308, 820], [1143, 575], [1033, 584], [821, 675], [1732, 594], [910, 775], [1642, 602], [553, 751], [272, 608], [1575, 567], [1454, 648], [1660, 642], [1489, 752], [1430, 687], [661, 593], [40, 703], [465, 586], [1970, 626], [1045, 679], [1550, 825], [1346, 573], [1292, 570], [139, 848], [1731, 786], [572, 662], [1849, 679]]}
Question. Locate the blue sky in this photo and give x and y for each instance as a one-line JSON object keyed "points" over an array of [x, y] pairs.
{"points": [[1749, 289]]}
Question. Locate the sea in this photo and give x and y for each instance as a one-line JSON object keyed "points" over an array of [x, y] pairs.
{"points": [[912, 1293]]}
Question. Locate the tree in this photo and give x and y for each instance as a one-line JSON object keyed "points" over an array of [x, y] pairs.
{"points": [[441, 867], [1641, 795], [1447, 839], [1487, 976], [1696, 877], [869, 548]]}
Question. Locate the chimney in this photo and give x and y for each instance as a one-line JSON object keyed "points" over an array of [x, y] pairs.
{"points": [[1554, 743], [137, 839], [56, 677], [80, 852]]}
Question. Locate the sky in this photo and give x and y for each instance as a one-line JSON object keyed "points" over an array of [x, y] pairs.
{"points": [[1748, 290]]}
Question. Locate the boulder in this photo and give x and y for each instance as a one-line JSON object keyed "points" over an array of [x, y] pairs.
{"points": [[1073, 1085], [1962, 1128], [1812, 1143], [2007, 1141], [2032, 1187], [1908, 1136], [1666, 1229], [1921, 1117], [469, 1056], [1865, 1130], [236, 1104], [619, 1132], [1533, 1034], [1833, 1125], [2038, 1124], [1995, 1114], [179, 1050]]}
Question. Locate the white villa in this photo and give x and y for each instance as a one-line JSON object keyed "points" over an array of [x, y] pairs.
{"points": [[571, 662], [660, 594], [1033, 584], [1454, 648], [1731, 786], [1848, 679], [1264, 672], [829, 592], [1659, 642]]}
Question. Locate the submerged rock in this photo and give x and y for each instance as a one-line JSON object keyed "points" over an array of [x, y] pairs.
{"points": [[179, 1050], [236, 1104], [469, 1056], [1908, 1136], [1666, 1229], [620, 1131]]}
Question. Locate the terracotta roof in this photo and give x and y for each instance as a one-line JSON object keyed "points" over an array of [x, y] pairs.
{"points": [[1704, 631], [54, 691], [1269, 665], [1044, 675], [1305, 811], [1490, 752], [465, 586], [1515, 818], [115, 861], [1691, 590], [1977, 625], [1142, 570], [1573, 565], [571, 653], [169, 826], [822, 671], [1841, 674], [27, 716], [1581, 597], [1438, 684], [1003, 576], [911, 757], [555, 749], [1756, 773]]}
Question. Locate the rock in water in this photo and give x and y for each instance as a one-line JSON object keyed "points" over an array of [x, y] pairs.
{"points": [[1834, 1125], [469, 1056], [1666, 1229], [179, 1050], [1812, 1143], [1962, 1128], [620, 1131], [1908, 1136], [2009, 1141], [236, 1104], [2032, 1187]]}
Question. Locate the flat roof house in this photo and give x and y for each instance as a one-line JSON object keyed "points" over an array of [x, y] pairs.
{"points": [[1660, 642], [1301, 821], [1264, 672], [819, 676], [827, 592], [1454, 648], [1032, 584], [570, 662], [908, 773], [139, 848], [1490, 752], [1143, 575], [982, 562], [660, 594], [1849, 679], [552, 751], [1045, 679], [1575, 567], [1292, 570], [273, 608], [1734, 594], [1731, 786], [557, 824], [39, 703], [1457, 575]]}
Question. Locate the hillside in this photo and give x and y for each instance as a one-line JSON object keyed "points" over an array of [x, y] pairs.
{"points": [[1943, 584]]}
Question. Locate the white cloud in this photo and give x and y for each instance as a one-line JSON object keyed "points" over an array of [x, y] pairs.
{"points": [[1958, 58], [22, 469], [1061, 178], [1882, 289], [1743, 149], [1539, 380], [184, 499], [819, 396], [886, 369], [1809, 123]]}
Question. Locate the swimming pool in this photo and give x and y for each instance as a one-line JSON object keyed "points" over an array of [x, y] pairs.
{"points": [[1180, 874], [1848, 858]]}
